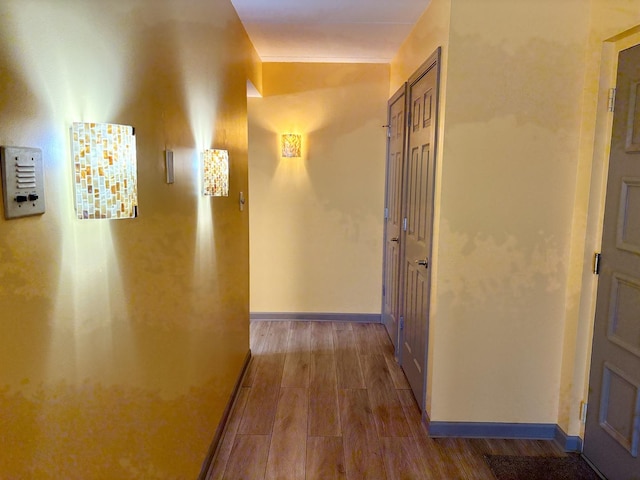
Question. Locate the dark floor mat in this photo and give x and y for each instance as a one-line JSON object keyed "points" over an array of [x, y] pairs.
{"points": [[573, 467]]}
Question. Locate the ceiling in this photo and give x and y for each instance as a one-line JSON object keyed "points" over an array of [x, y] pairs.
{"points": [[354, 31]]}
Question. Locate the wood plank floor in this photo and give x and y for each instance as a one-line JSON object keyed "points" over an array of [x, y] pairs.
{"points": [[328, 401]]}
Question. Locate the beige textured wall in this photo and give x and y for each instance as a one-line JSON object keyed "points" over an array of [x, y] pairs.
{"points": [[316, 221], [430, 33], [614, 26], [513, 116], [511, 106], [120, 341]]}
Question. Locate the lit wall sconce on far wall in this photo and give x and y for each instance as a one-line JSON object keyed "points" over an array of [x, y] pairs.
{"points": [[105, 171], [216, 173], [291, 145]]}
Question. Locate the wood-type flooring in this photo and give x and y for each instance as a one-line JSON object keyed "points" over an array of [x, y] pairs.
{"points": [[325, 400]]}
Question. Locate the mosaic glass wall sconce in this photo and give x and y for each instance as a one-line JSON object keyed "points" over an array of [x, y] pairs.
{"points": [[105, 175], [291, 145], [216, 173]]}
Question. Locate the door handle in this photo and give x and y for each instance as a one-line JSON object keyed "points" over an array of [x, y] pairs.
{"points": [[423, 263], [395, 239]]}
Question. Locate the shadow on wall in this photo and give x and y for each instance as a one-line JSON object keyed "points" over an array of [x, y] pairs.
{"points": [[28, 285], [17, 100]]}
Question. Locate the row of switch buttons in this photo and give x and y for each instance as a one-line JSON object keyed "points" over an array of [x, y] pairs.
{"points": [[24, 198]]}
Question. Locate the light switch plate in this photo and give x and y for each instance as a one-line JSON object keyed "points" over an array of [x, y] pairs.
{"points": [[168, 162], [22, 181]]}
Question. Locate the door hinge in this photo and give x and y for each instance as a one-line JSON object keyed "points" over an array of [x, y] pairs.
{"points": [[401, 323], [404, 224], [384, 290], [612, 99], [386, 213], [583, 411], [596, 263], [409, 119]]}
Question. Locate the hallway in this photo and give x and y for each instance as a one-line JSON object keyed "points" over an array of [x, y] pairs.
{"points": [[326, 400]]}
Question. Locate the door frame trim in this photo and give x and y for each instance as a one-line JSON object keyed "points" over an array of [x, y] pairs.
{"points": [[603, 132]]}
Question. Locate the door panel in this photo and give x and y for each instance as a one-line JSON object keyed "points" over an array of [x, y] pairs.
{"points": [[612, 432], [419, 181], [393, 224], [628, 237]]}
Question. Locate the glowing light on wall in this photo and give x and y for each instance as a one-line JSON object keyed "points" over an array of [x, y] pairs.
{"points": [[216, 173], [291, 145], [105, 175]]}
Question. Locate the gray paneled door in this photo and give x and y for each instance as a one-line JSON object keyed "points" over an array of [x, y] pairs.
{"points": [[612, 432], [418, 199], [393, 214]]}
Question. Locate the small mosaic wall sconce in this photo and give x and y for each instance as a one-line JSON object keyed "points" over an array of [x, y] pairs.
{"points": [[216, 173], [105, 171], [291, 145]]}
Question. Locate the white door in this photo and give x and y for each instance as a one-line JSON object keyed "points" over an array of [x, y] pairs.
{"points": [[393, 215], [612, 433]]}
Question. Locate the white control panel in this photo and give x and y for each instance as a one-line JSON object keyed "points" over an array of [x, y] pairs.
{"points": [[22, 181]]}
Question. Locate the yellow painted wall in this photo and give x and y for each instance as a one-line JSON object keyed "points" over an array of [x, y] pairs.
{"points": [[510, 123], [513, 117], [611, 24], [255, 71], [317, 221], [430, 32], [120, 341]]}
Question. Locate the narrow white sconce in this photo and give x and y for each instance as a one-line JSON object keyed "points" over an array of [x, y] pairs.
{"points": [[105, 170], [216, 173], [291, 145]]}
